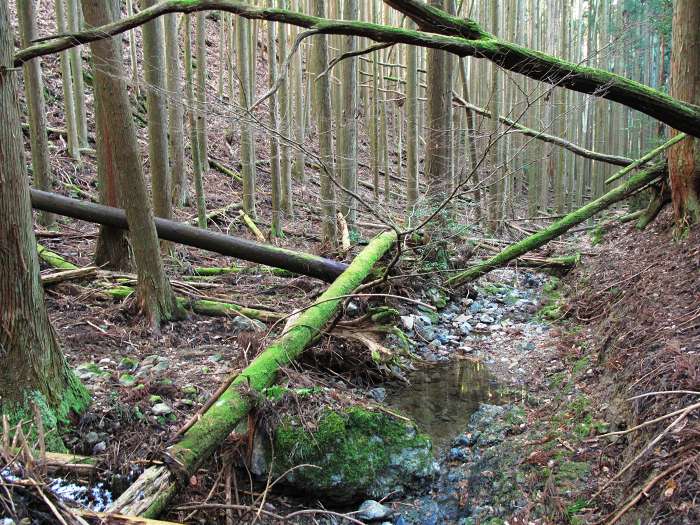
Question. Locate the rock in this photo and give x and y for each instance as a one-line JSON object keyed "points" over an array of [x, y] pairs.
{"points": [[487, 319], [481, 327], [99, 447], [127, 380], [144, 371], [436, 297], [91, 438], [465, 328], [244, 324], [476, 307], [127, 363], [153, 399], [352, 309], [407, 322], [371, 510], [215, 358], [378, 394], [161, 409], [424, 329], [361, 455], [162, 366]]}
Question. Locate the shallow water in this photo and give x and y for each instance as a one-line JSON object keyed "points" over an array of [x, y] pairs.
{"points": [[442, 397]]}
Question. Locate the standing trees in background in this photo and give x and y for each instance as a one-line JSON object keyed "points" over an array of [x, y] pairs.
{"points": [[275, 176], [684, 157], [76, 66], [285, 123], [68, 99], [196, 151], [322, 111], [411, 127], [154, 74], [347, 132], [201, 46], [438, 145], [248, 168], [176, 129], [34, 93], [33, 369], [118, 153]]}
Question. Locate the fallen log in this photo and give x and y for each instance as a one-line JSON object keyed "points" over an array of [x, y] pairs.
{"points": [[638, 181], [297, 262], [207, 306], [103, 518], [56, 462], [152, 491], [53, 259], [67, 275]]}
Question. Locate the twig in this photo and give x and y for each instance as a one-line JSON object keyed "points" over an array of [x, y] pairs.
{"points": [[647, 488], [652, 421], [644, 451]]}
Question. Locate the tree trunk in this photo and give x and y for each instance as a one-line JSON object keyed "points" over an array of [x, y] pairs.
{"points": [[117, 142], [322, 95], [275, 176], [285, 124], [247, 148], [66, 78], [34, 93], [33, 368], [347, 161], [684, 158], [195, 150], [176, 112], [154, 74], [76, 66], [201, 46], [411, 129], [150, 493], [438, 143]]}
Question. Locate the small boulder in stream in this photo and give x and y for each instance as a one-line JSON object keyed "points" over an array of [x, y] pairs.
{"points": [[357, 453]]}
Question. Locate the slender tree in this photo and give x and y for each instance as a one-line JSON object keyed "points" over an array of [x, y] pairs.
{"points": [[285, 123], [248, 168], [347, 160], [195, 150], [73, 18], [322, 110], [176, 130], [154, 74], [273, 105], [34, 370], [201, 46], [411, 127], [66, 78], [34, 93], [116, 136]]}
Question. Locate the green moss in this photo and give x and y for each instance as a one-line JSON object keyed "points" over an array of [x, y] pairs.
{"points": [[353, 447], [572, 471], [597, 235], [384, 315], [580, 365]]}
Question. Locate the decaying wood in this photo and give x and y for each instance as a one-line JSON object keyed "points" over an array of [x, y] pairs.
{"points": [[252, 226], [302, 263], [151, 492], [68, 275]]}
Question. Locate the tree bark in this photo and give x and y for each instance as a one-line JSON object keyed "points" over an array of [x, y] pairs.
{"points": [[324, 126], [273, 105], [306, 264], [66, 79], [347, 161], [33, 369], [684, 158], [201, 50], [150, 494], [117, 143], [248, 169], [157, 121], [34, 93], [176, 112]]}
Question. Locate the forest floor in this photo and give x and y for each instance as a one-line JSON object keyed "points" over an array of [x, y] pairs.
{"points": [[543, 367]]}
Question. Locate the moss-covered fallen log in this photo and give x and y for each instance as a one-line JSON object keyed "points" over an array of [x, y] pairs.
{"points": [[297, 262], [561, 226], [206, 306], [150, 494], [53, 259]]}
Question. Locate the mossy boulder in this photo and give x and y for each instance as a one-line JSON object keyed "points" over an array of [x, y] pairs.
{"points": [[356, 453]]}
